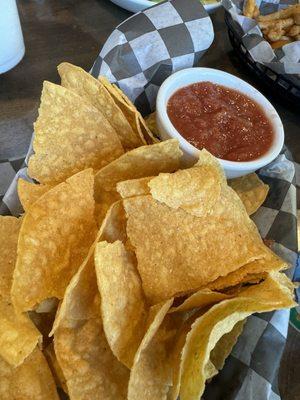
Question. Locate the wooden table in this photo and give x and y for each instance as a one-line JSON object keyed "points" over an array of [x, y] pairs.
{"points": [[74, 31]]}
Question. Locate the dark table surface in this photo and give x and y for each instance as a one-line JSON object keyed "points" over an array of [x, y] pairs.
{"points": [[74, 31]]}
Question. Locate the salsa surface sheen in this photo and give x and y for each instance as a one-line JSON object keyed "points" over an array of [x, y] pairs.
{"points": [[224, 121]]}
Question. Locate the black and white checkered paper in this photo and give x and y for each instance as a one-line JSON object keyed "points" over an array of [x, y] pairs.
{"points": [[285, 60], [149, 46], [251, 371]]}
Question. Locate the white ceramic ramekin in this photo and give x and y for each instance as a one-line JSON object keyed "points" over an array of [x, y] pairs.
{"points": [[188, 76]]}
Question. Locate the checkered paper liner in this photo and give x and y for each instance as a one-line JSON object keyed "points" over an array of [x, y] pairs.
{"points": [[251, 371], [285, 60], [149, 46]]}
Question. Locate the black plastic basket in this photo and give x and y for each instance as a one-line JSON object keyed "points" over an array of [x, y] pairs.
{"points": [[279, 85]]}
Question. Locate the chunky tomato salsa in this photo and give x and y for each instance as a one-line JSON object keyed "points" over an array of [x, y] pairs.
{"points": [[224, 121]]}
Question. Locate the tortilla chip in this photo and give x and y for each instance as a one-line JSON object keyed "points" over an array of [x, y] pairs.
{"points": [[123, 306], [274, 293], [55, 236], [200, 299], [18, 335], [251, 190], [57, 373], [134, 187], [89, 366], [9, 233], [32, 380], [253, 271], [195, 190], [151, 123], [132, 115], [225, 345], [94, 92], [29, 192], [150, 376], [137, 163], [70, 135], [178, 252]]}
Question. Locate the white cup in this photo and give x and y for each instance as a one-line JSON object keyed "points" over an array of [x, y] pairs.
{"points": [[12, 47]]}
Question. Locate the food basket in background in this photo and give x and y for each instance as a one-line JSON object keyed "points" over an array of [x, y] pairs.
{"points": [[285, 86]]}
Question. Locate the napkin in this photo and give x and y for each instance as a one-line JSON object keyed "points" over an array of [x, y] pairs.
{"points": [[149, 46]]}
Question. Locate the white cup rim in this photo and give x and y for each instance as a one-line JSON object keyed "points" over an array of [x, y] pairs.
{"points": [[197, 74]]}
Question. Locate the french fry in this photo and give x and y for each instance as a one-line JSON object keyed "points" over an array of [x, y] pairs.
{"points": [[285, 13], [249, 8], [293, 31], [275, 34], [256, 12], [280, 43], [278, 24], [296, 17]]}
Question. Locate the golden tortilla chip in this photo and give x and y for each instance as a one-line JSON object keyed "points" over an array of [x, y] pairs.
{"points": [[200, 299], [195, 190], [137, 163], [29, 192], [256, 270], [274, 293], [32, 380], [132, 115], [89, 366], [55, 236], [225, 345], [150, 376], [18, 335], [70, 135], [134, 187], [57, 373], [251, 190], [123, 306], [93, 91], [178, 252], [9, 233], [151, 123]]}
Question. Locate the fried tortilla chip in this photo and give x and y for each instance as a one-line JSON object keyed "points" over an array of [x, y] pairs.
{"points": [[225, 345], [253, 271], [195, 190], [178, 252], [9, 233], [150, 376], [32, 380], [55, 236], [251, 190], [134, 187], [70, 135], [272, 294], [132, 115], [123, 306], [18, 335], [93, 91], [137, 163], [29, 192], [151, 123], [89, 366], [200, 299]]}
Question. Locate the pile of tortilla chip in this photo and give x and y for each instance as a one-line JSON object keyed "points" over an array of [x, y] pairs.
{"points": [[126, 277]]}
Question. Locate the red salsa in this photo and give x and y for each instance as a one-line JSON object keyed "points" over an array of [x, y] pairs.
{"points": [[224, 121]]}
